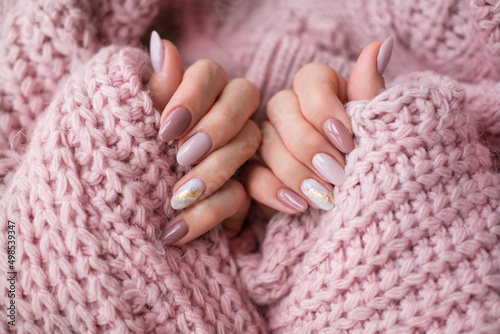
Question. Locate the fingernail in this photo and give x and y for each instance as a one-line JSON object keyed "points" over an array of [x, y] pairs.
{"points": [[338, 135], [318, 194], [175, 232], [156, 51], [193, 149], [384, 55], [292, 200], [329, 168], [187, 194], [174, 124]]}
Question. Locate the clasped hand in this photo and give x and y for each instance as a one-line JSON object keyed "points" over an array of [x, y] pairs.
{"points": [[299, 150]]}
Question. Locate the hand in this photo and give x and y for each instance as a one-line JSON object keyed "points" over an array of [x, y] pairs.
{"points": [[209, 116], [307, 132]]}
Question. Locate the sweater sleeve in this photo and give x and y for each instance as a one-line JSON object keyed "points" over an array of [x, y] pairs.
{"points": [[412, 244], [40, 41], [87, 205]]}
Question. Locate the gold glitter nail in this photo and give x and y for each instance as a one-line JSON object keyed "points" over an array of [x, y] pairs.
{"points": [[187, 193]]}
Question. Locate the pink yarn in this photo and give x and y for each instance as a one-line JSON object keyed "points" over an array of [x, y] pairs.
{"points": [[412, 245]]}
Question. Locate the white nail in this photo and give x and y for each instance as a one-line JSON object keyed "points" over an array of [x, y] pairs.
{"points": [[156, 51], [318, 194], [329, 168], [187, 194]]}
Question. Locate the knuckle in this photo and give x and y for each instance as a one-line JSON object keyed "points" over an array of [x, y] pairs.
{"points": [[248, 89], [295, 142], [219, 179], [254, 135], [278, 99], [313, 69], [237, 192], [210, 67], [226, 115], [267, 134], [210, 215]]}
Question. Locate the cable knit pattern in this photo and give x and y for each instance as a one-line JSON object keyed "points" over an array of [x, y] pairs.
{"points": [[412, 245]]}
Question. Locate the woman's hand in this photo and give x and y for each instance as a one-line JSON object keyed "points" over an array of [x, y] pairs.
{"points": [[308, 132], [209, 116]]}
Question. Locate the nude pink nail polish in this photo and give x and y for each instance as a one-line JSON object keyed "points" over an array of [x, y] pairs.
{"points": [[193, 149], [384, 55], [292, 200], [338, 135], [176, 122], [175, 232]]}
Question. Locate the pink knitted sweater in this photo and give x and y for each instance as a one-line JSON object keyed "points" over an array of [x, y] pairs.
{"points": [[412, 245]]}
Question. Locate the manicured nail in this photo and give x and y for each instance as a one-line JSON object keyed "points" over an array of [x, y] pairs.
{"points": [[292, 200], [384, 55], [174, 124], [329, 168], [338, 135], [318, 194], [187, 194], [193, 149], [156, 51], [175, 232]]}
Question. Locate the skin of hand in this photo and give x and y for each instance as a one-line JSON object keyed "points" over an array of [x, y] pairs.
{"points": [[309, 131], [209, 116]]}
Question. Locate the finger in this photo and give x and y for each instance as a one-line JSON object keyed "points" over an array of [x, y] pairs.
{"points": [[201, 84], [264, 187], [168, 71], [232, 225], [305, 143], [322, 92], [238, 100], [217, 168], [230, 200], [293, 173], [366, 80]]}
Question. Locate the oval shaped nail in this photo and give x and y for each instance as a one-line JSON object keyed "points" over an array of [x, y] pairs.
{"points": [[329, 168], [187, 194], [292, 200], [193, 149], [384, 55], [176, 122], [338, 135], [175, 232], [318, 194]]}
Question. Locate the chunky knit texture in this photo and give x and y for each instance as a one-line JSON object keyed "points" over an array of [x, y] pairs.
{"points": [[412, 245]]}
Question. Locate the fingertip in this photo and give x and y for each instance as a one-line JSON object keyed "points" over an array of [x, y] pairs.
{"points": [[292, 200], [232, 225], [384, 55], [168, 70], [272, 194], [229, 202], [366, 80], [156, 51], [175, 232]]}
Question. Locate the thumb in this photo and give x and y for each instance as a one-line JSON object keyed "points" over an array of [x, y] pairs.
{"points": [[366, 80], [168, 70]]}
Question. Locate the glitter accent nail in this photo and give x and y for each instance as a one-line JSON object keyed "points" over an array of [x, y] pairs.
{"points": [[187, 194], [318, 194]]}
